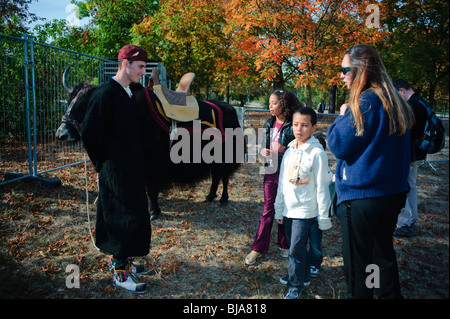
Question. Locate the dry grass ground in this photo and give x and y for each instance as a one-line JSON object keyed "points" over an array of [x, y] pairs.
{"points": [[198, 248]]}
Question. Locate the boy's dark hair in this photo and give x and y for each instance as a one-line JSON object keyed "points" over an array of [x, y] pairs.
{"points": [[307, 111], [401, 83]]}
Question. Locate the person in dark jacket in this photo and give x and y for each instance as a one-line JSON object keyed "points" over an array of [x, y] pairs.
{"points": [[112, 137], [278, 129], [408, 215]]}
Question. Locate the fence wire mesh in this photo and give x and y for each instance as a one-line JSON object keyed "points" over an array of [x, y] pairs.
{"points": [[15, 138], [51, 102], [33, 103], [254, 119]]}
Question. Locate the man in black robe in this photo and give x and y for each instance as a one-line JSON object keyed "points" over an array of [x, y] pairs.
{"points": [[112, 138]]}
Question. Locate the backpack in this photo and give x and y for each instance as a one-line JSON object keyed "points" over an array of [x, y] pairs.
{"points": [[433, 139]]}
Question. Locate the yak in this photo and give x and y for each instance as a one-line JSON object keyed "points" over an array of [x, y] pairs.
{"points": [[162, 172]]}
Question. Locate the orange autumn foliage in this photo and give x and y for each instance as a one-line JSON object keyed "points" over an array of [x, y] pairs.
{"points": [[238, 41], [308, 38]]}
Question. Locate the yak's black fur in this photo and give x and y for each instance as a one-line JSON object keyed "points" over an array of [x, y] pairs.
{"points": [[162, 173]]}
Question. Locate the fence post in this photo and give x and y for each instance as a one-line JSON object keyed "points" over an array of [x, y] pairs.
{"points": [[33, 94], [27, 103], [28, 145]]}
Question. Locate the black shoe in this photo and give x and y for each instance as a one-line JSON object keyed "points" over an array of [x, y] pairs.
{"points": [[405, 231]]}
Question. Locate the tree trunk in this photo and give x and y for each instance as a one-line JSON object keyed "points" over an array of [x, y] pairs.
{"points": [[332, 99], [309, 96], [431, 92], [278, 83]]}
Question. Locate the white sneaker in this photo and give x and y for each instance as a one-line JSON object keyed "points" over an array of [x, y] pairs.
{"points": [[314, 271], [284, 253], [250, 259], [128, 281], [284, 280], [293, 293]]}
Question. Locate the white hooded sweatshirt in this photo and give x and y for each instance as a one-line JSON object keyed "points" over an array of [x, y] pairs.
{"points": [[303, 187]]}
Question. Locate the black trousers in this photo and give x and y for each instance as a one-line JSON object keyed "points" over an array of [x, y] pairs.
{"points": [[370, 261]]}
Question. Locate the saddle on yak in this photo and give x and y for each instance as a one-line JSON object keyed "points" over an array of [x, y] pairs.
{"points": [[178, 105], [178, 108]]}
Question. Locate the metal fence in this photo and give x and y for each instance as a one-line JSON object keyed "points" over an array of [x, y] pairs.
{"points": [[254, 119], [33, 102]]}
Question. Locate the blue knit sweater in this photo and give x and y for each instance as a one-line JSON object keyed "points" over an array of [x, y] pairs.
{"points": [[374, 164]]}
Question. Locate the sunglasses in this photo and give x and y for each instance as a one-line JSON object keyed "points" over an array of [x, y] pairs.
{"points": [[346, 69]]}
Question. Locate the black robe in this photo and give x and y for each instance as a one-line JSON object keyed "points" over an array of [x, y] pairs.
{"points": [[112, 137]]}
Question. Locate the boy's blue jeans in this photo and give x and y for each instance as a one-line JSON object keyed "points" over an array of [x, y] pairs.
{"points": [[297, 232], [315, 253]]}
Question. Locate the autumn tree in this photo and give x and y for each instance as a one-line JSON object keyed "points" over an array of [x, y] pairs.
{"points": [[299, 41], [237, 71], [186, 36]]}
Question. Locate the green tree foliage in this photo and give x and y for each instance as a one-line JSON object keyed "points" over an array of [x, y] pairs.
{"points": [[111, 23], [418, 49], [58, 33], [187, 37], [15, 17], [258, 44]]}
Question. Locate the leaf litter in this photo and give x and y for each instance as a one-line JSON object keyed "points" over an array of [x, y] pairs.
{"points": [[197, 248]]}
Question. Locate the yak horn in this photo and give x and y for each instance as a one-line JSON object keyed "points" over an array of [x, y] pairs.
{"points": [[65, 80]]}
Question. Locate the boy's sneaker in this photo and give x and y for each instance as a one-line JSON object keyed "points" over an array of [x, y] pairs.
{"points": [[314, 271], [126, 280], [284, 281], [284, 253], [405, 231], [293, 293]]}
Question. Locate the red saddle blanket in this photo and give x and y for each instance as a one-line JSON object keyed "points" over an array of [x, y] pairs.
{"points": [[210, 116]]}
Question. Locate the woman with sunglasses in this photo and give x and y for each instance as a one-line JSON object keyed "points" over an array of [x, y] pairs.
{"points": [[370, 139]]}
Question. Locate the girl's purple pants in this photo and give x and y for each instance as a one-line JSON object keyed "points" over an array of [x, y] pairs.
{"points": [[262, 238]]}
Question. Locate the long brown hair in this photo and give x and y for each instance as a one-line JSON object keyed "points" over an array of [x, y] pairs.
{"points": [[369, 72]]}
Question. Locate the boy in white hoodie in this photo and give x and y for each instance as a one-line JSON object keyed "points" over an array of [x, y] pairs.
{"points": [[303, 195]]}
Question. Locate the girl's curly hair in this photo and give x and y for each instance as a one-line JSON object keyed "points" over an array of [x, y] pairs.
{"points": [[288, 103]]}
